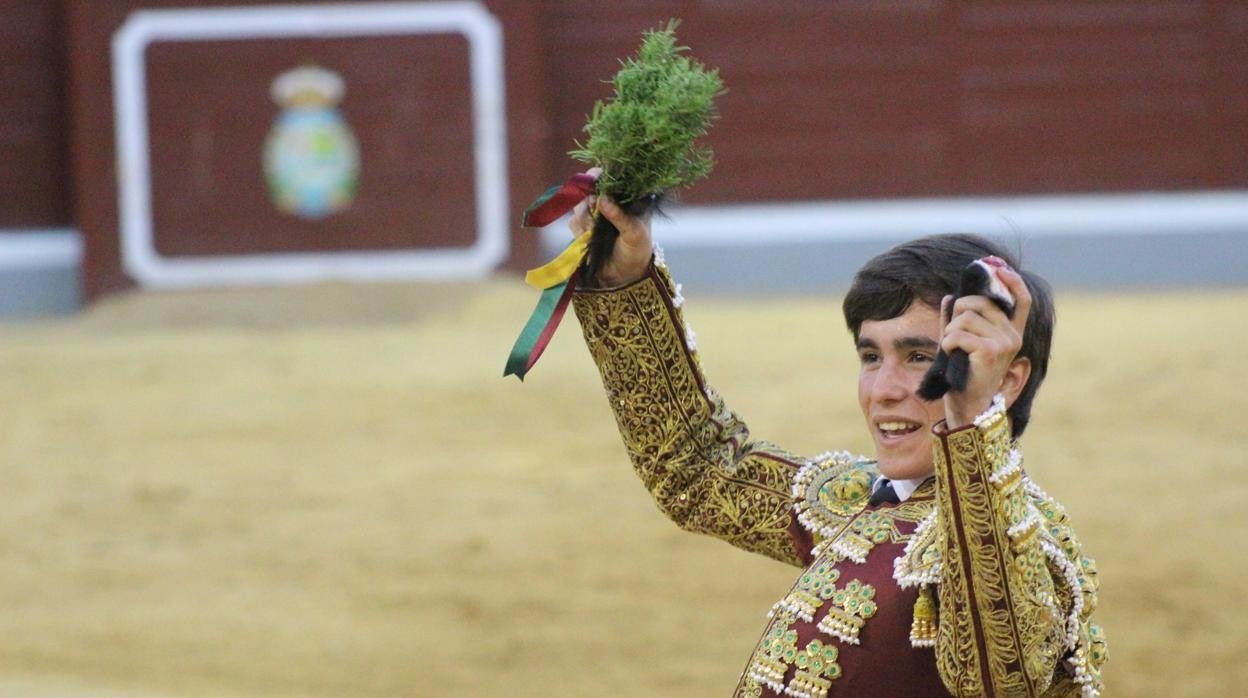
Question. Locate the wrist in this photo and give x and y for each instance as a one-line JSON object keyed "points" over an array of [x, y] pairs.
{"points": [[956, 419], [613, 276], [961, 411]]}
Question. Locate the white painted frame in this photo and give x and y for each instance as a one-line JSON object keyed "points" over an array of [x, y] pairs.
{"points": [[485, 49]]}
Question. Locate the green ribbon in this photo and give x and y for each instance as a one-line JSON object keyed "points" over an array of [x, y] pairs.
{"points": [[538, 331]]}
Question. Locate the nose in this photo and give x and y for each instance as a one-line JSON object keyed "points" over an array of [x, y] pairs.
{"points": [[891, 383]]}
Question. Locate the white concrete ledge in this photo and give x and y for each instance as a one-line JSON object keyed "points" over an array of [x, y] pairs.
{"points": [[40, 248], [1080, 215]]}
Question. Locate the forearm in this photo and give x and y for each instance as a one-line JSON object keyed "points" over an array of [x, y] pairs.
{"points": [[692, 453], [1003, 618]]}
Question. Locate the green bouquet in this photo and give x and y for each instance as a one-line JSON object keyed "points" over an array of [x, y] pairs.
{"points": [[644, 138]]}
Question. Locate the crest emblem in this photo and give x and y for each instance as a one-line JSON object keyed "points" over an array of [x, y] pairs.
{"points": [[311, 157]]}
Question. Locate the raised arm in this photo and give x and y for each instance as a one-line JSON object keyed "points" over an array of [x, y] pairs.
{"points": [[693, 454]]}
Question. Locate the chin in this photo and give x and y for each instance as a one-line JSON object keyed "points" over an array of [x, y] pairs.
{"points": [[907, 468], [906, 458]]}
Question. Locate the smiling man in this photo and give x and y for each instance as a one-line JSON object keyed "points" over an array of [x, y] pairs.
{"points": [[937, 567]]}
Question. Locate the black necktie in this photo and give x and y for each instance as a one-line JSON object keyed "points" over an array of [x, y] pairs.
{"points": [[884, 494]]}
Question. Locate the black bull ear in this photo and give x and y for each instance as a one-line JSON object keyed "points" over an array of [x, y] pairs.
{"points": [[953, 371]]}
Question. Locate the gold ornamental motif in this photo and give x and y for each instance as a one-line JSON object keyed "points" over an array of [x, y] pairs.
{"points": [[815, 664], [846, 493], [816, 585], [851, 607], [1015, 596]]}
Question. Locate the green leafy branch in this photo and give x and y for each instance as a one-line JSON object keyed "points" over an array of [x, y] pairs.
{"points": [[644, 137]]}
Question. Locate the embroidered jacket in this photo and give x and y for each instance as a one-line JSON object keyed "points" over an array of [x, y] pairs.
{"points": [[976, 585]]}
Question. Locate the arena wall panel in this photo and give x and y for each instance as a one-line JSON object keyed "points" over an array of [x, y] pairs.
{"points": [[34, 178]]}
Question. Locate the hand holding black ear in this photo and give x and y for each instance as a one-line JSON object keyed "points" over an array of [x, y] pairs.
{"points": [[951, 370], [988, 328]]}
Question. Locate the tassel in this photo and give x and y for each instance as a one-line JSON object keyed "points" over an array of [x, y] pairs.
{"points": [[923, 629]]}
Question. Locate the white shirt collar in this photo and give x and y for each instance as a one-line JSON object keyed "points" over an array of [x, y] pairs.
{"points": [[903, 488]]}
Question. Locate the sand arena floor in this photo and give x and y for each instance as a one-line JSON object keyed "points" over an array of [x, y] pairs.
{"points": [[331, 492]]}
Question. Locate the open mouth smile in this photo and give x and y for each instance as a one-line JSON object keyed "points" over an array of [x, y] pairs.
{"points": [[895, 430]]}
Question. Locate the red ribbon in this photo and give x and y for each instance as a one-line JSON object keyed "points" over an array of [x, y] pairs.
{"points": [[558, 200]]}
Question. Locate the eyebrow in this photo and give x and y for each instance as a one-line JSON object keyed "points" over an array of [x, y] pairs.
{"points": [[900, 344], [915, 342]]}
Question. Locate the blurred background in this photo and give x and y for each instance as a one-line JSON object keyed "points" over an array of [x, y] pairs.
{"points": [[258, 279]]}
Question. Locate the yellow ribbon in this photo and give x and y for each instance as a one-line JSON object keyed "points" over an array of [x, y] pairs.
{"points": [[561, 268]]}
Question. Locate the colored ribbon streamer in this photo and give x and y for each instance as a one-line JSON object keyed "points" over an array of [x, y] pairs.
{"points": [[539, 330], [560, 268], [558, 200], [556, 278]]}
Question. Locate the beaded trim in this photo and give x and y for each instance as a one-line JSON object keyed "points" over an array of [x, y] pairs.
{"points": [[1078, 661], [660, 260], [1013, 467], [1025, 528], [1035, 491], [816, 585], [851, 606], [1071, 575], [994, 413], [816, 665], [828, 493], [905, 573], [847, 549]]}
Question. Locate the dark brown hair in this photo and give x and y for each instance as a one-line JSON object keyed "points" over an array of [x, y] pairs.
{"points": [[926, 270]]}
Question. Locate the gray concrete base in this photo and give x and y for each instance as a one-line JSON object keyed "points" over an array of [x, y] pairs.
{"points": [[39, 273], [34, 292], [1075, 262]]}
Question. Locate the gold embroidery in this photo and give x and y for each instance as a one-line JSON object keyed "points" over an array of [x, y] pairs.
{"points": [[867, 531], [775, 653], [816, 670], [748, 688], [1009, 568], [919, 563], [846, 492], [1098, 653], [690, 451], [829, 492], [870, 529], [1009, 576]]}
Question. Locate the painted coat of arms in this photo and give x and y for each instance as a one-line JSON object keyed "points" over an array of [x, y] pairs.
{"points": [[311, 157]]}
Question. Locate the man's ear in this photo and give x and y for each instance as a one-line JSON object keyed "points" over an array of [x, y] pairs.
{"points": [[1015, 379]]}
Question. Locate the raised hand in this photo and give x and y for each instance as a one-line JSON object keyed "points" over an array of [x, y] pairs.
{"points": [[992, 341], [634, 247]]}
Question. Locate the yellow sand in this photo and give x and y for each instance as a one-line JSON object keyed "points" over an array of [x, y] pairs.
{"points": [[331, 492]]}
